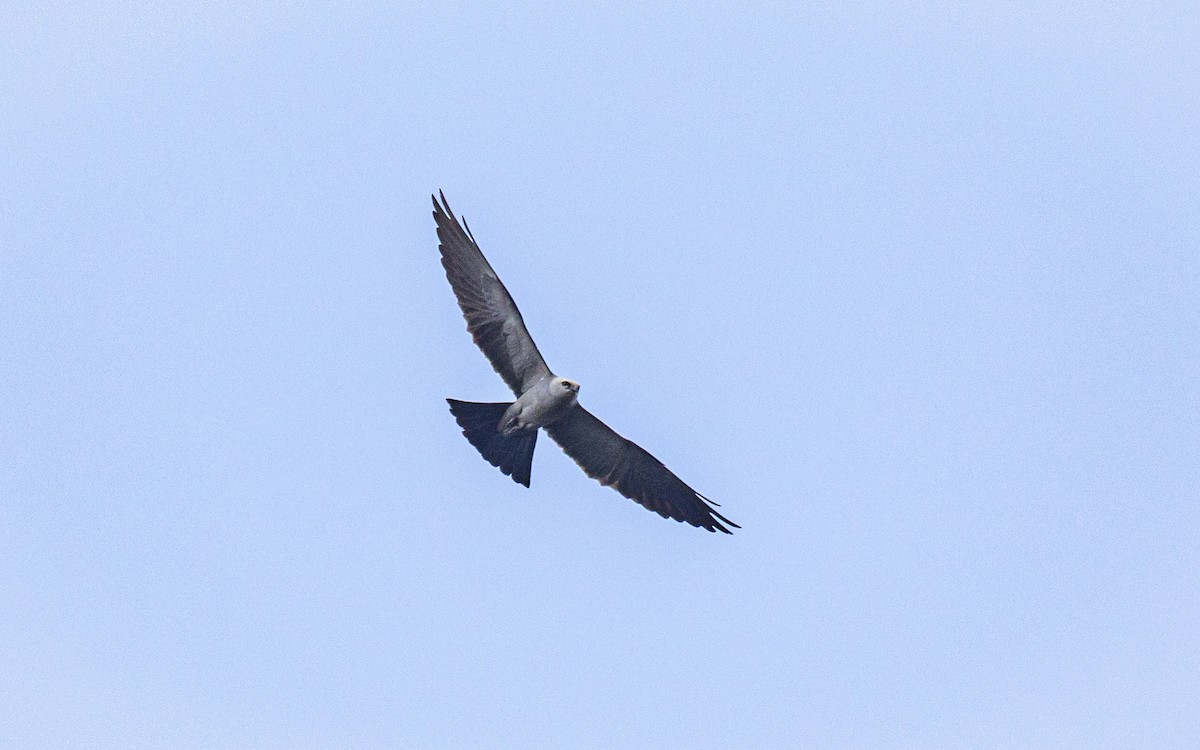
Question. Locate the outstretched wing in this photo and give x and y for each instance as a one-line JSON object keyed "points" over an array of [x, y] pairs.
{"points": [[492, 316], [623, 465]]}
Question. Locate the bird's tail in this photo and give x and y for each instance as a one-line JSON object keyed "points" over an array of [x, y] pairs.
{"points": [[512, 454]]}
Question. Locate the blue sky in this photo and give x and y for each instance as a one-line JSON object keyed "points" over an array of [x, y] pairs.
{"points": [[911, 291]]}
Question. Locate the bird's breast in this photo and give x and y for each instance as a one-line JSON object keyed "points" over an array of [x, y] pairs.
{"points": [[538, 407]]}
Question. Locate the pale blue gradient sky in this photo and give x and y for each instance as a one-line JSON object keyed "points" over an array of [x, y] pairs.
{"points": [[913, 292]]}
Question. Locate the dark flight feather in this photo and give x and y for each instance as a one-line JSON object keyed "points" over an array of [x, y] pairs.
{"points": [[629, 469], [492, 317]]}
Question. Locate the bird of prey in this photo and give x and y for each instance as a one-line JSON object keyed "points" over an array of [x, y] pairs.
{"points": [[505, 433]]}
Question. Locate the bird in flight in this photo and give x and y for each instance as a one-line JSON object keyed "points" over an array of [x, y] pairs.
{"points": [[505, 433]]}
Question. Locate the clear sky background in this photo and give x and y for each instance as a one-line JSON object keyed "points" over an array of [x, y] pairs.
{"points": [[913, 290]]}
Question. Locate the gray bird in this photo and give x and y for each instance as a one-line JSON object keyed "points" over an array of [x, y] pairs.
{"points": [[505, 433]]}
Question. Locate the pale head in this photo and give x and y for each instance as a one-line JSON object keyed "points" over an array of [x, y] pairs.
{"points": [[565, 385]]}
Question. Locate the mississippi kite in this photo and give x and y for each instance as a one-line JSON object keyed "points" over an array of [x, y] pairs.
{"points": [[505, 433]]}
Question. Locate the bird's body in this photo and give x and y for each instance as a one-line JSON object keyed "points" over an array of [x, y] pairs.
{"points": [[544, 403], [506, 433]]}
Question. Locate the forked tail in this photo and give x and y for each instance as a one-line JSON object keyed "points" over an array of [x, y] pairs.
{"points": [[512, 454]]}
